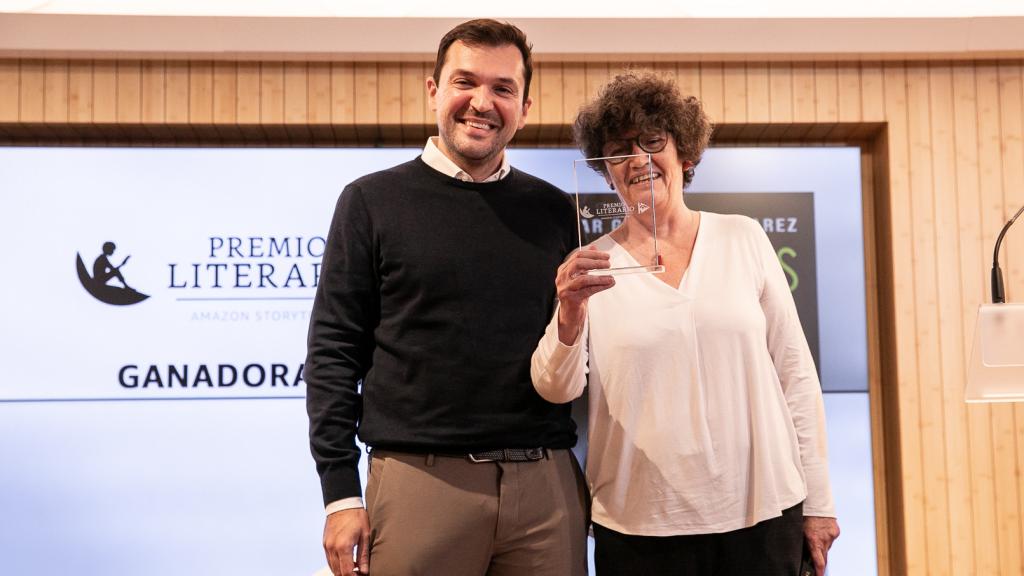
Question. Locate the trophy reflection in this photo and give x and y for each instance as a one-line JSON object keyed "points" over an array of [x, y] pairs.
{"points": [[602, 207]]}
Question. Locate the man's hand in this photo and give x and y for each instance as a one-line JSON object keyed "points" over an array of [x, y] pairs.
{"points": [[820, 532], [345, 532]]}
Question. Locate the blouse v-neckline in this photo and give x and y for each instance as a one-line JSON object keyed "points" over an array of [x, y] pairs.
{"points": [[685, 287]]}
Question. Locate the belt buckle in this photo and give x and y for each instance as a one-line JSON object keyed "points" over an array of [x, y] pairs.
{"points": [[474, 458], [533, 454]]}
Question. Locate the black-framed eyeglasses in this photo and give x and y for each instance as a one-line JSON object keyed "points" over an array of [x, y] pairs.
{"points": [[616, 151]]}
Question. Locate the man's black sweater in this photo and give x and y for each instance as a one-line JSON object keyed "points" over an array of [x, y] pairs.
{"points": [[434, 293]]}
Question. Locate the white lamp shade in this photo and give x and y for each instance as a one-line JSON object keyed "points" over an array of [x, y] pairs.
{"points": [[996, 371]]}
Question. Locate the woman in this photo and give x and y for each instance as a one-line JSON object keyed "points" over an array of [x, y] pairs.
{"points": [[707, 451]]}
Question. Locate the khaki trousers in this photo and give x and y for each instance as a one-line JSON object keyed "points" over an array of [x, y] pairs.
{"points": [[434, 514]]}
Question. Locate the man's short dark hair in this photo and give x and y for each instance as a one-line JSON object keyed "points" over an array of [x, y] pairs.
{"points": [[644, 102], [491, 33]]}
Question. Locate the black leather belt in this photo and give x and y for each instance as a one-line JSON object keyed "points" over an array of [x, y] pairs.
{"points": [[508, 455]]}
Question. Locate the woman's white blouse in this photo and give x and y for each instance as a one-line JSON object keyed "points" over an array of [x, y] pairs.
{"points": [[705, 413]]}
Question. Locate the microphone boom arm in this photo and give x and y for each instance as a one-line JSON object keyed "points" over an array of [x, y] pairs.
{"points": [[998, 291]]}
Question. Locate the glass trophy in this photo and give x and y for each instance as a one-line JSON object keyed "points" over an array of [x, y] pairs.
{"points": [[602, 208]]}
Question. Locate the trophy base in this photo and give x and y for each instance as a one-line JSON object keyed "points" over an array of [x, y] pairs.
{"points": [[628, 270]]}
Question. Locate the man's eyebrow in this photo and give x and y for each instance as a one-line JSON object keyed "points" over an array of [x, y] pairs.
{"points": [[471, 74]]}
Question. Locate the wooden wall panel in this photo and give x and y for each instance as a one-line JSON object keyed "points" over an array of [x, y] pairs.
{"points": [[413, 104], [1012, 418], [389, 100], [943, 160], [55, 92], [176, 93], [31, 99], [10, 90], [153, 95], [104, 92], [129, 92], [980, 496], [365, 102], [925, 300], [296, 102], [950, 332]]}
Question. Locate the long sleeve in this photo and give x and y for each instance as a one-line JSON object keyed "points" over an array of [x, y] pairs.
{"points": [[798, 378], [340, 345], [559, 372]]}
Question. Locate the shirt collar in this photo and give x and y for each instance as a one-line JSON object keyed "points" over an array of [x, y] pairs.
{"points": [[436, 159]]}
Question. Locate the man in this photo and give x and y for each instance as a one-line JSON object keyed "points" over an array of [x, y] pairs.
{"points": [[438, 281]]}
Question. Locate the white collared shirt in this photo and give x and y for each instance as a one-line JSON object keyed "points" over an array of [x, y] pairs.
{"points": [[436, 159]]}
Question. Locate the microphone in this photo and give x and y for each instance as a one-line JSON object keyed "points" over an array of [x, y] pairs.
{"points": [[996, 370], [998, 292]]}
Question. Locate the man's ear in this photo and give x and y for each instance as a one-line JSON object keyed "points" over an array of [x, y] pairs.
{"points": [[526, 110], [432, 93]]}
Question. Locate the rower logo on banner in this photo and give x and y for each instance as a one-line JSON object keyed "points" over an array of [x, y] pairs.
{"points": [[107, 282]]}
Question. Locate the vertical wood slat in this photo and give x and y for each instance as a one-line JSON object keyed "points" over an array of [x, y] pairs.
{"points": [[1015, 259], [933, 465], [872, 95], [80, 91], [176, 92], [972, 258], [712, 88], [780, 85], [389, 100], [343, 97], [32, 90], [318, 100], [688, 78], [951, 335], [533, 112], [758, 93], [129, 92], [272, 101], [200, 92], [574, 93], [734, 92], [596, 75], [1008, 451], [804, 105], [991, 218], [295, 93], [912, 496], [551, 116], [849, 92], [55, 91], [153, 93], [10, 90], [826, 92], [247, 109], [413, 105], [365, 74], [295, 104], [271, 93], [224, 106], [104, 92]]}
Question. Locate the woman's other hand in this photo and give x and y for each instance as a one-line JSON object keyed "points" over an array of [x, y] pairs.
{"points": [[820, 532]]}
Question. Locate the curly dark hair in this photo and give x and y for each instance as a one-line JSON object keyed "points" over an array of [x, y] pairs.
{"points": [[642, 101]]}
